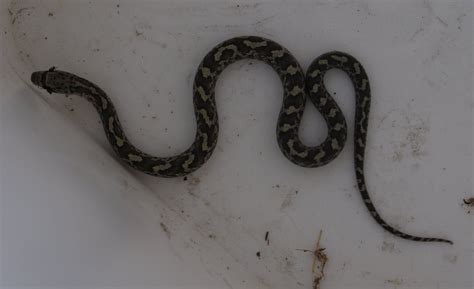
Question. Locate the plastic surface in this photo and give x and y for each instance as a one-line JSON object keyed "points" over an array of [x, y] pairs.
{"points": [[72, 215]]}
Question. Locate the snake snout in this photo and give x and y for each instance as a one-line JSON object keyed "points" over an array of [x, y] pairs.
{"points": [[36, 78]]}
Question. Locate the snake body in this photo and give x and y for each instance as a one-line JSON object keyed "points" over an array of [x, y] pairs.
{"points": [[296, 87]]}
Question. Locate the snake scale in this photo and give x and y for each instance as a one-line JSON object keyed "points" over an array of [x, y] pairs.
{"points": [[296, 87]]}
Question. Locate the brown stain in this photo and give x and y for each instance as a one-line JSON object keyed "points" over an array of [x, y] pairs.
{"points": [[289, 197], [289, 264], [413, 141], [194, 181], [193, 184], [389, 247], [417, 138], [288, 201], [453, 259], [396, 281], [243, 9], [397, 155]]}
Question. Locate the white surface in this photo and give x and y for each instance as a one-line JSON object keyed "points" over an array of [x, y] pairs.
{"points": [[72, 215]]}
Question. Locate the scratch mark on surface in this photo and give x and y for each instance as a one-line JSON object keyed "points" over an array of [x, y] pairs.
{"points": [[18, 13], [442, 21], [166, 230]]}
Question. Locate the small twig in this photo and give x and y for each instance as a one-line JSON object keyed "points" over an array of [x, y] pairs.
{"points": [[319, 262], [321, 258]]}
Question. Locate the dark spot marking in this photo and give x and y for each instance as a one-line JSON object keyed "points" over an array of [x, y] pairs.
{"points": [[165, 229], [469, 202]]}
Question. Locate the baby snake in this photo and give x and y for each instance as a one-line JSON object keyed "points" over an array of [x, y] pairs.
{"points": [[296, 86]]}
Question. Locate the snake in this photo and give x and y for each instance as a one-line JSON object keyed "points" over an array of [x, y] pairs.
{"points": [[297, 87]]}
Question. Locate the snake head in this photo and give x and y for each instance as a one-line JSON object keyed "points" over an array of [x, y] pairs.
{"points": [[52, 80]]}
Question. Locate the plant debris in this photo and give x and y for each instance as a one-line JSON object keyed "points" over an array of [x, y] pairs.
{"points": [[319, 262]]}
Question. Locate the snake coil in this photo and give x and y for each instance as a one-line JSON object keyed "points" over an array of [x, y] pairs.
{"points": [[296, 87]]}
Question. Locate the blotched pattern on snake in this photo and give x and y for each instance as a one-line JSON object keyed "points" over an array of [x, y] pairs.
{"points": [[296, 87]]}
